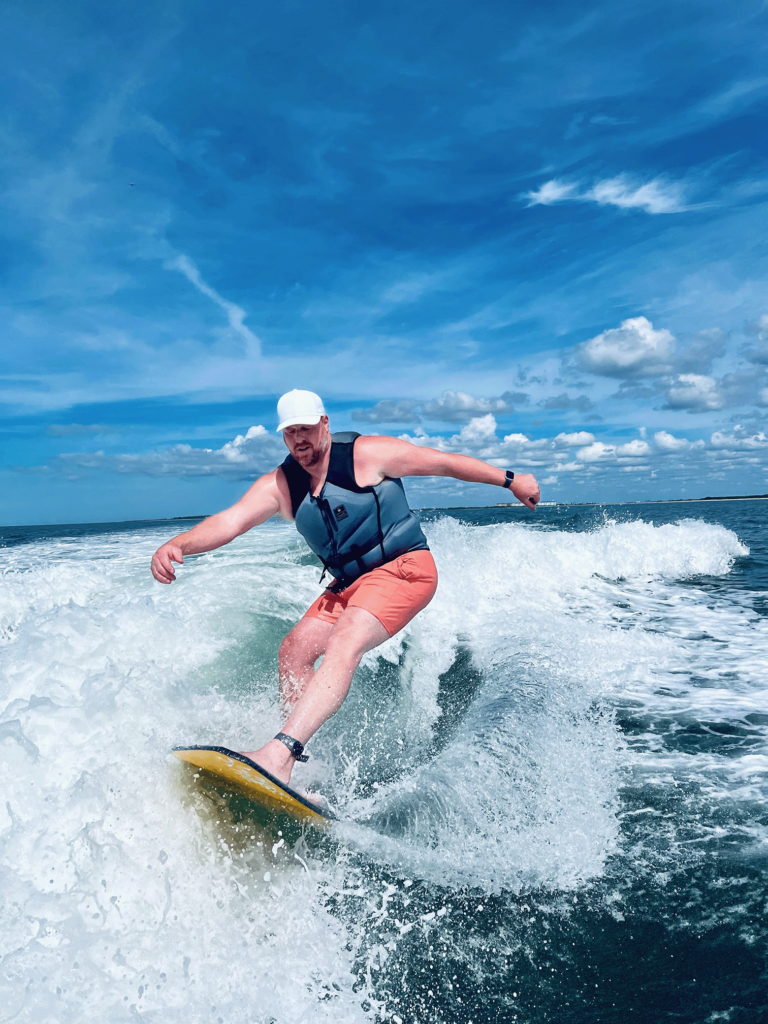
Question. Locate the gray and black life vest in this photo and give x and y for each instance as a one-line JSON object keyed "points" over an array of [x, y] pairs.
{"points": [[351, 529]]}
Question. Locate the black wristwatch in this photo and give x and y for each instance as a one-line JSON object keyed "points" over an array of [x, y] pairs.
{"points": [[296, 748], [509, 476]]}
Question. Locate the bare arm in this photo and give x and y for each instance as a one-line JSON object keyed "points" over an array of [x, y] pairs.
{"points": [[379, 457], [267, 497]]}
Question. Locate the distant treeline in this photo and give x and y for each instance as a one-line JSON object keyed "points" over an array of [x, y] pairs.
{"points": [[734, 497]]}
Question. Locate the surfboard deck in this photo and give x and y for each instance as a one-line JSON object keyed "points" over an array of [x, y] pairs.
{"points": [[240, 774]]}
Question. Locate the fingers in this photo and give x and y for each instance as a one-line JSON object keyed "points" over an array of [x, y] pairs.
{"points": [[161, 574], [162, 563]]}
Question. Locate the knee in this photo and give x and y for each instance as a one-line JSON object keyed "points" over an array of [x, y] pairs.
{"points": [[294, 653], [345, 643], [288, 648]]}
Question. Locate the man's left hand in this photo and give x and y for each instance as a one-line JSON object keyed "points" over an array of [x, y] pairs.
{"points": [[525, 489]]}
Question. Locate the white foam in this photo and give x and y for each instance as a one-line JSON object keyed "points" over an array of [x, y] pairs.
{"points": [[115, 862]]}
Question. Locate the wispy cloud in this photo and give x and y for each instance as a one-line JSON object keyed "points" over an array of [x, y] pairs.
{"points": [[656, 196], [235, 314], [550, 192]]}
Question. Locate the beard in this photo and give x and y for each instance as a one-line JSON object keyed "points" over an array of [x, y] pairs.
{"points": [[312, 455]]}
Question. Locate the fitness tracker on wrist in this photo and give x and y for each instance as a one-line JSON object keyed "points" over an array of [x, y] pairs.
{"points": [[509, 476], [296, 748]]}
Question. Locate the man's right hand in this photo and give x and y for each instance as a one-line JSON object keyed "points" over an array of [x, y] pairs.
{"points": [[525, 489], [163, 559]]}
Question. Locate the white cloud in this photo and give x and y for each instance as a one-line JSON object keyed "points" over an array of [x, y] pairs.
{"points": [[670, 443], [388, 411], [258, 451], [598, 451], [481, 428], [581, 437], [595, 452], [451, 407], [695, 392], [739, 440], [455, 406], [656, 196], [246, 457], [235, 314], [634, 449], [553, 191], [634, 349]]}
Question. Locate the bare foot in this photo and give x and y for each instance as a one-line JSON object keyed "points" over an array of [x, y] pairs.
{"points": [[275, 758]]}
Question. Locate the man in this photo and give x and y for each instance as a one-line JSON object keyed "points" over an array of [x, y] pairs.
{"points": [[345, 496]]}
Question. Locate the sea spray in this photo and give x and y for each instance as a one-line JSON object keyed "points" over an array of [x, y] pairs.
{"points": [[482, 765]]}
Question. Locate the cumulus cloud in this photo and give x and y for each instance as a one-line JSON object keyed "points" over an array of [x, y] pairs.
{"points": [[388, 411], [247, 456], [739, 440], [656, 196], [694, 392], [580, 437], [564, 401], [595, 452], [577, 455], [456, 406], [668, 442], [451, 407], [634, 449], [698, 393], [634, 349]]}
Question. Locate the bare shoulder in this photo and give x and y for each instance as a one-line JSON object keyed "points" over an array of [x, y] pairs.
{"points": [[268, 496], [379, 456], [370, 445]]}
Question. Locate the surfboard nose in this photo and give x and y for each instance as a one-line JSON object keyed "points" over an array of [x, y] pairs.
{"points": [[239, 774]]}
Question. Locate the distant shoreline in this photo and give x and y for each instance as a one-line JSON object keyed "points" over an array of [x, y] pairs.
{"points": [[426, 508], [643, 501]]}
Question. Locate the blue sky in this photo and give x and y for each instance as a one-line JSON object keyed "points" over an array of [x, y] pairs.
{"points": [[532, 232]]}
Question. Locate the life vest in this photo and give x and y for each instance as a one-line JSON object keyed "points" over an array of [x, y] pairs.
{"points": [[351, 529]]}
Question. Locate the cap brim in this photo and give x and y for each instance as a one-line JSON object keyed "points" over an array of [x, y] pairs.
{"points": [[296, 421]]}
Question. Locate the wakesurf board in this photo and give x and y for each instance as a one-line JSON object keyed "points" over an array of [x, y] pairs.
{"points": [[240, 774]]}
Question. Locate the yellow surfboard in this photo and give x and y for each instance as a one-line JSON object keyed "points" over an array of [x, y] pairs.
{"points": [[240, 774]]}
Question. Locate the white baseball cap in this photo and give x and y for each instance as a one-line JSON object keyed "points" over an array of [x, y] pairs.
{"points": [[296, 407]]}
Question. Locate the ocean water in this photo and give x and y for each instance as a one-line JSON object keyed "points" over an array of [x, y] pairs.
{"points": [[552, 784]]}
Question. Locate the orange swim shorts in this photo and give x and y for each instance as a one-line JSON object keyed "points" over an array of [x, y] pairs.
{"points": [[394, 592]]}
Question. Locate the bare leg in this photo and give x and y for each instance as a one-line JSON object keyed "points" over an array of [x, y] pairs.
{"points": [[298, 653], [321, 696]]}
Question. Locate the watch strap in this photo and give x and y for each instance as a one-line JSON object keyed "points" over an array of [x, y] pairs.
{"points": [[296, 748]]}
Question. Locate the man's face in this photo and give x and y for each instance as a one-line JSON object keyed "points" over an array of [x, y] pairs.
{"points": [[308, 444]]}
